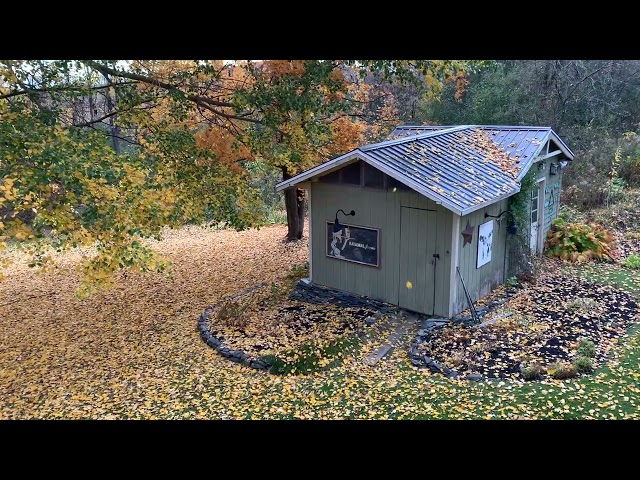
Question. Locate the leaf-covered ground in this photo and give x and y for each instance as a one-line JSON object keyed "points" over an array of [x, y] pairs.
{"points": [[134, 352], [540, 325], [265, 328]]}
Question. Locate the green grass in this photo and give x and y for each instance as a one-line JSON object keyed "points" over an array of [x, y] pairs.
{"points": [[607, 274], [611, 392], [310, 357]]}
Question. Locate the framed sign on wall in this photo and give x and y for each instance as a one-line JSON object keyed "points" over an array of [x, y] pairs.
{"points": [[354, 243], [485, 243]]}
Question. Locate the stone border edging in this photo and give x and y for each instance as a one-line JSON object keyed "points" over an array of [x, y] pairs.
{"points": [[237, 356], [431, 324]]}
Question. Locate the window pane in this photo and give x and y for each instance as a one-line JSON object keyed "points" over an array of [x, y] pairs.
{"points": [[372, 176], [333, 177], [534, 216], [393, 183], [351, 174]]}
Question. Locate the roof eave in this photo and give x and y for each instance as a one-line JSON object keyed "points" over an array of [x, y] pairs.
{"points": [[486, 203], [566, 150], [323, 167]]}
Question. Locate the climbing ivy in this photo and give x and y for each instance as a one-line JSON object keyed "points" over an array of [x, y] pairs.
{"points": [[519, 252], [519, 203]]}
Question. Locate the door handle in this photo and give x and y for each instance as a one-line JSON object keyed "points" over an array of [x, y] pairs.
{"points": [[436, 255]]}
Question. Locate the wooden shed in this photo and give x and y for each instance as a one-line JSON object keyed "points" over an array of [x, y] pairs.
{"points": [[396, 220]]}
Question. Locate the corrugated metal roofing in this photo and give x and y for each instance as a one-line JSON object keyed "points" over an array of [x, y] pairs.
{"points": [[402, 131], [462, 167], [406, 130]]}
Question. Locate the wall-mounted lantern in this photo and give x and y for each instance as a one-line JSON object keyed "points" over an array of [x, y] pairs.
{"points": [[336, 225], [512, 228], [540, 165], [553, 169]]}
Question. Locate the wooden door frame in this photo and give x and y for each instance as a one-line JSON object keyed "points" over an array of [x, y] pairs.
{"points": [[540, 185]]}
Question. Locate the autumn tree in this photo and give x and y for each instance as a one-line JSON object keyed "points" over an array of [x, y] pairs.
{"points": [[109, 152]]}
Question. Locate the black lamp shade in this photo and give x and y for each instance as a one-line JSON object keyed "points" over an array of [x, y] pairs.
{"points": [[512, 228]]}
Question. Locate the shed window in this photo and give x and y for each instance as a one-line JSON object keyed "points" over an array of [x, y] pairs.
{"points": [[373, 177], [534, 205], [333, 177], [351, 174], [393, 183]]}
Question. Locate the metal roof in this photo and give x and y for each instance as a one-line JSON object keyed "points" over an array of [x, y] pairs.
{"points": [[463, 168], [406, 130], [402, 131]]}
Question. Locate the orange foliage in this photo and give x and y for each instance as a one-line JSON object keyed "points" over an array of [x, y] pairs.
{"points": [[462, 82], [224, 146], [281, 68], [347, 134]]}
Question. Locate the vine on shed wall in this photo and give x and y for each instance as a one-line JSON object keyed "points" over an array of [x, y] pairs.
{"points": [[520, 257]]}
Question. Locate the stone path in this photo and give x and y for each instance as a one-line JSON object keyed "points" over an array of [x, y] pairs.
{"points": [[401, 327]]}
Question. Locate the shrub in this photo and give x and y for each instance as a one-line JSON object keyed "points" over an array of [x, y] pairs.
{"points": [[582, 304], [229, 310], [586, 348], [567, 214], [632, 235], [616, 190], [532, 372], [298, 271], [578, 242], [562, 370], [632, 261], [512, 281], [584, 364]]}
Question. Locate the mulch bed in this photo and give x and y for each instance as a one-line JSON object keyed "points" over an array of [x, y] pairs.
{"points": [[541, 324], [272, 326]]}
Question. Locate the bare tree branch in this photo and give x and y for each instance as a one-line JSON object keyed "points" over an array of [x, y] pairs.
{"points": [[62, 88]]}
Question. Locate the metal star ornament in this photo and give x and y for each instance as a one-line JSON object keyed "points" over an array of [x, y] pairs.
{"points": [[467, 234]]}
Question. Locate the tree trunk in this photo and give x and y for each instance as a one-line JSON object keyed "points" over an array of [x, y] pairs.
{"points": [[294, 204], [113, 126]]}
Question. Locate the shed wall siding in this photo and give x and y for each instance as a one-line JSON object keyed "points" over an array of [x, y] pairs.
{"points": [[480, 281], [380, 209], [553, 185], [551, 206]]}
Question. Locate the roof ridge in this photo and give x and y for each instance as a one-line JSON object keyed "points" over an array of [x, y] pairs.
{"points": [[373, 146], [510, 127]]}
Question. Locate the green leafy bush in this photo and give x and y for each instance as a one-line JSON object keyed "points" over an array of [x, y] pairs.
{"points": [[584, 364], [616, 190], [567, 214], [562, 370], [586, 348], [632, 261], [578, 242]]}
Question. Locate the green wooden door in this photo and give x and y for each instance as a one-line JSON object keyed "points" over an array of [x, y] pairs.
{"points": [[417, 264]]}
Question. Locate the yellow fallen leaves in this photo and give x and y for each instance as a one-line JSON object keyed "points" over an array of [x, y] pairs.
{"points": [[133, 351]]}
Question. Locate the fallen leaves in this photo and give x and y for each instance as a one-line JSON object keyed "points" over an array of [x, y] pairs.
{"points": [[133, 352]]}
